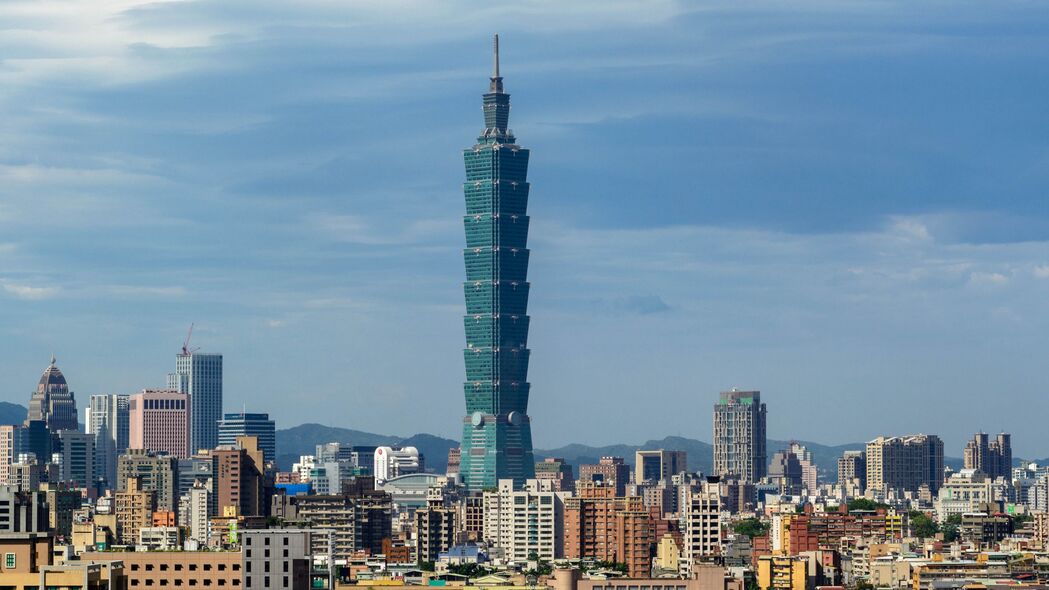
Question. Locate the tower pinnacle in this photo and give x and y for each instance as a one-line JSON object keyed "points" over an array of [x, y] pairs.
{"points": [[496, 80]]}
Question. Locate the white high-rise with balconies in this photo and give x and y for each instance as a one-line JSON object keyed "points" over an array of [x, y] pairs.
{"points": [[739, 436]]}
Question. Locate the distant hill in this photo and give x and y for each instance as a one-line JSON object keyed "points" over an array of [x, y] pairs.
{"points": [[303, 439], [12, 413]]}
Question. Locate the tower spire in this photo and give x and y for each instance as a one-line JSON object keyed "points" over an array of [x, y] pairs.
{"points": [[496, 80]]}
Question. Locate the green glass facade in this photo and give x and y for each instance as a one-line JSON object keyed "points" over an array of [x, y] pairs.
{"points": [[497, 436]]}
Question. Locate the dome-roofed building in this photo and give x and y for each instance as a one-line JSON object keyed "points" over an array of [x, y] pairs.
{"points": [[52, 402]]}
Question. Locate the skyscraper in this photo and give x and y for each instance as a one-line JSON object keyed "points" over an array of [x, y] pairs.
{"points": [[247, 424], [739, 436], [106, 419], [200, 375], [994, 458], [497, 435], [52, 402], [905, 463], [160, 422]]}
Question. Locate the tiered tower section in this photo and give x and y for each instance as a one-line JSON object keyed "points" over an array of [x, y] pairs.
{"points": [[497, 436]]}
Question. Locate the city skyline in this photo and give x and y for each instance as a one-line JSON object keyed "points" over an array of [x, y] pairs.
{"points": [[848, 248]]}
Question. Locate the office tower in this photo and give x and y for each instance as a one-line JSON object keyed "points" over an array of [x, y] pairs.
{"points": [[434, 532], [77, 467], [600, 526], [994, 458], [702, 519], [785, 471], [52, 403], [240, 483], [658, 465], [852, 469], [525, 522], [556, 470], [497, 434], [107, 414], [245, 424], [200, 375], [159, 422], [106, 417], [905, 463], [34, 439], [608, 469], [363, 458], [739, 436], [153, 472], [391, 463]]}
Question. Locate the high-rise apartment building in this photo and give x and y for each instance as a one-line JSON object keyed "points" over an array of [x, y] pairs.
{"points": [[497, 435], [739, 436], [53, 403], [852, 469], [701, 513], [134, 511], [992, 457], [601, 526], [905, 463], [200, 375], [107, 419], [359, 518], [525, 522], [434, 532], [159, 422], [658, 465], [247, 424], [610, 470]]}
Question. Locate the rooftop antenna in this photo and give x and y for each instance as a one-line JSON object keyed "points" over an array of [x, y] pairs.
{"points": [[497, 80]]}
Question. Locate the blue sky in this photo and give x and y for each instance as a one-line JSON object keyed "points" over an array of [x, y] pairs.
{"points": [[840, 204]]}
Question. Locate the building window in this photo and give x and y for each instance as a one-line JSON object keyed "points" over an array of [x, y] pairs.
{"points": [[9, 561]]}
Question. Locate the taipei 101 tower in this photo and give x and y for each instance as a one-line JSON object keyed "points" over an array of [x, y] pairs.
{"points": [[497, 433]]}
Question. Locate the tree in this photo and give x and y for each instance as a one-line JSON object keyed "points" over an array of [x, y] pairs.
{"points": [[950, 527], [751, 527], [922, 526], [865, 504]]}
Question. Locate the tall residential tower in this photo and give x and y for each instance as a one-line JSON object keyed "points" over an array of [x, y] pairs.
{"points": [[739, 436], [497, 435]]}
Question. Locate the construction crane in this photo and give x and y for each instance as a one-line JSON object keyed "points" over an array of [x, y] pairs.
{"points": [[185, 344]]}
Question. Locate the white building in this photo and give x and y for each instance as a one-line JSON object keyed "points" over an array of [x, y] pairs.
{"points": [[391, 462], [160, 538], [199, 523], [304, 466], [526, 522], [701, 513]]}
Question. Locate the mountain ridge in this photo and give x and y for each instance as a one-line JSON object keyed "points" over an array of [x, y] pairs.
{"points": [[302, 440]]}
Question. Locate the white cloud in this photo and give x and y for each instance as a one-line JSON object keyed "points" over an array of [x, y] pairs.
{"points": [[1041, 271], [29, 292]]}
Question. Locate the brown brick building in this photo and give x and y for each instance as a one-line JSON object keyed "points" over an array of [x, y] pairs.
{"points": [[603, 526]]}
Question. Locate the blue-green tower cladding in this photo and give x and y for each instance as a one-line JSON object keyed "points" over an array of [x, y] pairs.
{"points": [[497, 433]]}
